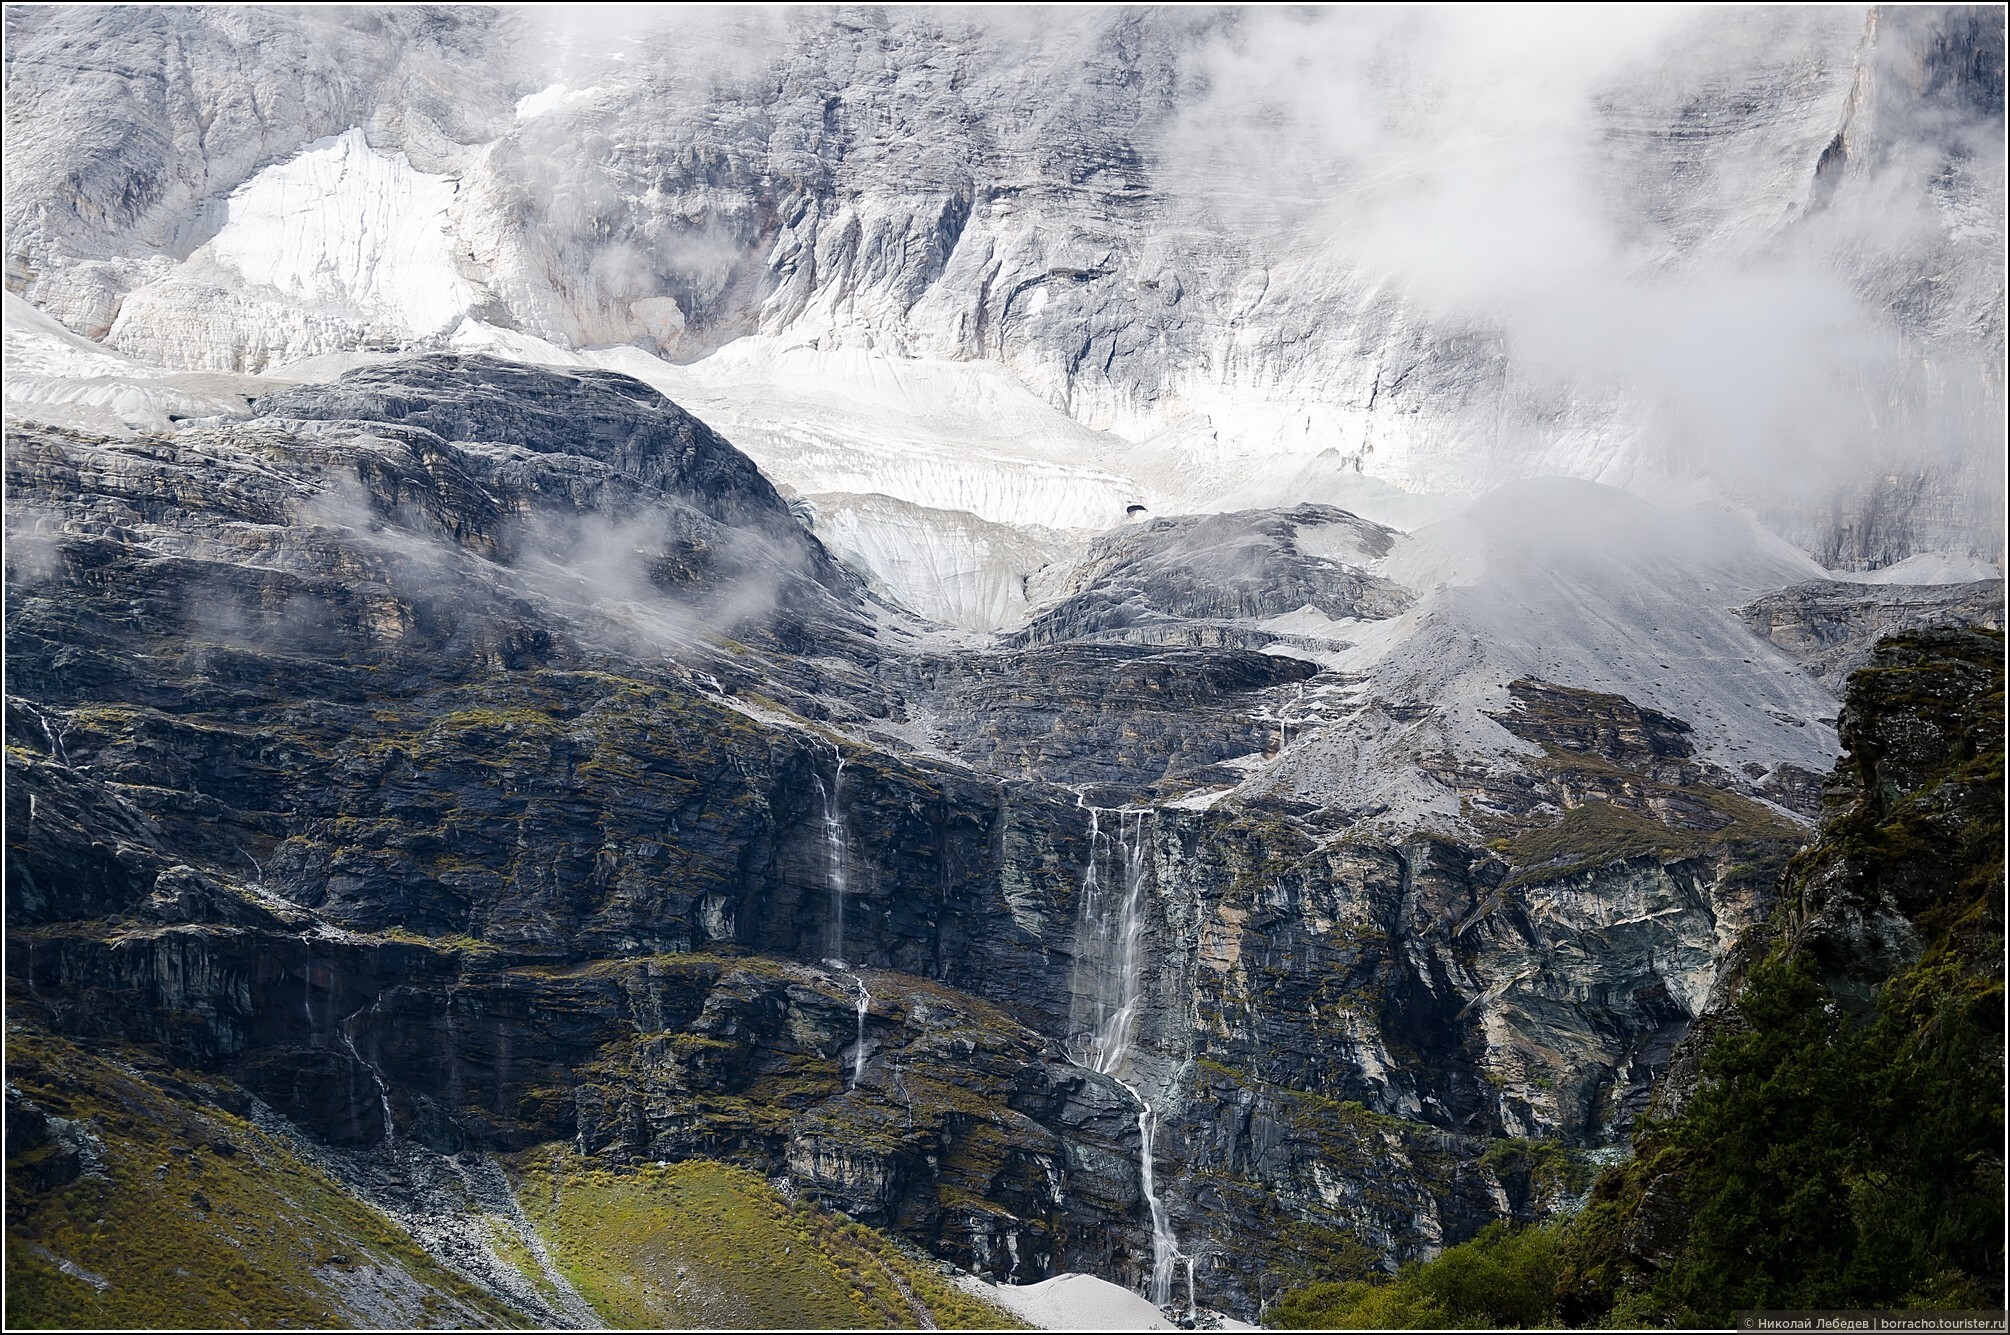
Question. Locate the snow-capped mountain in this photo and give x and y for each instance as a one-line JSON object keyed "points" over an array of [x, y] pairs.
{"points": [[976, 289], [1168, 642], [1041, 271]]}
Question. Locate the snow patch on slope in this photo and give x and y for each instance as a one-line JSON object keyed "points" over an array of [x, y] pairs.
{"points": [[1577, 584], [551, 99], [62, 378], [38, 345], [1081, 1302], [344, 226], [472, 336], [1925, 568], [338, 248]]}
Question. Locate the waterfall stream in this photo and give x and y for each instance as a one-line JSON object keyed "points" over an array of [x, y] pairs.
{"points": [[1109, 987], [858, 1049], [376, 1076], [835, 855], [1165, 1245]]}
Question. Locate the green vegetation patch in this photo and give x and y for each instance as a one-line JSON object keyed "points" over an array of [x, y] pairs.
{"points": [[1597, 833], [1836, 1163], [1552, 1167], [131, 1203], [1590, 835], [1504, 1279], [707, 1245]]}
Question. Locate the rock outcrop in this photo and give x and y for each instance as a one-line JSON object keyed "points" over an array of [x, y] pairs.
{"points": [[1871, 1001], [1833, 628]]}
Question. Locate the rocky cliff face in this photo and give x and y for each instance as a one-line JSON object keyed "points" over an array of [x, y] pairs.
{"points": [[1834, 628], [1872, 1002], [440, 745], [462, 757]]}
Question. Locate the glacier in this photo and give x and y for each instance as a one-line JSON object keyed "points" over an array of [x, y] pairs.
{"points": [[1041, 273], [977, 290]]}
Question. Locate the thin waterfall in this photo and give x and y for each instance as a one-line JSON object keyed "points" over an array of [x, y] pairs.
{"points": [[456, 1085], [376, 1076], [835, 856], [863, 1005], [1109, 988], [1165, 1246], [307, 987]]}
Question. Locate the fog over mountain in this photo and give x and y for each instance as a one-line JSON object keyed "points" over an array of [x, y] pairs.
{"points": [[1082, 633], [1753, 255]]}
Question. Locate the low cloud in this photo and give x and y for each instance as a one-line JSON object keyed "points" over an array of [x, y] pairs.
{"points": [[1579, 185]]}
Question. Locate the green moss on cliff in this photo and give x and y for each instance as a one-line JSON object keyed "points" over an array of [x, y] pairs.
{"points": [[132, 1204], [1598, 832], [702, 1244]]}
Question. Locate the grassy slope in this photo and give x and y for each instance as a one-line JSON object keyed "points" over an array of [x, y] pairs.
{"points": [[701, 1244], [186, 1215], [192, 1217]]}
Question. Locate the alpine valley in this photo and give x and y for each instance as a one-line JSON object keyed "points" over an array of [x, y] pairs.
{"points": [[908, 667]]}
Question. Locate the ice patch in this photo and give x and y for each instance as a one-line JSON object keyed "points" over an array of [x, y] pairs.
{"points": [[342, 225], [551, 99], [947, 435], [951, 567]]}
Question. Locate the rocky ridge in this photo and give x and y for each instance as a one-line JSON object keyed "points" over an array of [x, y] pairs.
{"points": [[1882, 971]]}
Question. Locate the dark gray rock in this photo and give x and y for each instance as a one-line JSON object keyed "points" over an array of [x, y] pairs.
{"points": [[1832, 628], [341, 769], [1174, 581]]}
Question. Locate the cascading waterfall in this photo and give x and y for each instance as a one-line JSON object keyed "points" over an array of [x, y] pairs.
{"points": [[376, 1076], [1110, 966], [864, 1004], [835, 871], [1110, 983]]}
